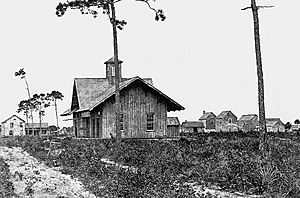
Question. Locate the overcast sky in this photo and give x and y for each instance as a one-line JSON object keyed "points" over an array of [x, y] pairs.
{"points": [[202, 56]]}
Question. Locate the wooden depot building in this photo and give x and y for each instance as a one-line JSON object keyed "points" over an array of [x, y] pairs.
{"points": [[143, 107]]}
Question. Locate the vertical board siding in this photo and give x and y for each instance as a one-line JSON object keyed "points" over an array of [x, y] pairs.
{"points": [[136, 101]]}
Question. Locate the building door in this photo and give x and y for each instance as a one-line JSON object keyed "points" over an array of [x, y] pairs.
{"points": [[87, 127], [99, 126], [76, 128], [195, 129], [93, 127]]}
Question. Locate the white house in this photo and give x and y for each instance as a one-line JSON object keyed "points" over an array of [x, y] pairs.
{"points": [[13, 126]]}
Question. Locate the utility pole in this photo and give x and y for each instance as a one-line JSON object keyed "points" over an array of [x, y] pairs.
{"points": [[261, 99]]}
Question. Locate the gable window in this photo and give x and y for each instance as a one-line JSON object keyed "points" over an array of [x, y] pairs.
{"points": [[11, 125], [150, 121], [122, 122], [230, 120]]}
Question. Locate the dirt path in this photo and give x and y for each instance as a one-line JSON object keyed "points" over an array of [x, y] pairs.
{"points": [[31, 178]]}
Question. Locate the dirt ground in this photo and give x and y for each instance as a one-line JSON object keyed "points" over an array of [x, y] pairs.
{"points": [[31, 178]]}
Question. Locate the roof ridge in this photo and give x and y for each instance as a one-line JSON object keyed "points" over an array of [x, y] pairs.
{"points": [[13, 116]]}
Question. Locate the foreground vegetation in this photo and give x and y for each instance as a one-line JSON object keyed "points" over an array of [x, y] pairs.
{"points": [[6, 187], [231, 162]]}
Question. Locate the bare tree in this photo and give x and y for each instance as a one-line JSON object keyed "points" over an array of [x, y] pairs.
{"points": [[108, 8]]}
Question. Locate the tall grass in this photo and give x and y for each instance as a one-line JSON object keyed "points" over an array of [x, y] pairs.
{"points": [[231, 162]]}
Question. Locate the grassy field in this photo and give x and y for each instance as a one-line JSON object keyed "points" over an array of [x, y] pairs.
{"points": [[230, 162]]}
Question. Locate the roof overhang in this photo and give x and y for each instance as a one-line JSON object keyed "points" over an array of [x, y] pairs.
{"points": [[68, 112]]}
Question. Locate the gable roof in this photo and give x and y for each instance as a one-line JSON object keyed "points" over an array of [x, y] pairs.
{"points": [[273, 121], [223, 114], [90, 89], [112, 60], [247, 117], [36, 125], [206, 115], [91, 92], [188, 124], [173, 121], [11, 117]]}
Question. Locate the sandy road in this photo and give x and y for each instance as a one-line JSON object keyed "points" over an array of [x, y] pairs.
{"points": [[31, 178]]}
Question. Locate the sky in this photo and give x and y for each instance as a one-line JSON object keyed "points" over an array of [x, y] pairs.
{"points": [[202, 55]]}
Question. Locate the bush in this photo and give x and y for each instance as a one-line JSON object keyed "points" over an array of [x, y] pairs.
{"points": [[6, 186]]}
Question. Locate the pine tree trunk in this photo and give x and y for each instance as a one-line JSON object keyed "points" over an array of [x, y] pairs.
{"points": [[26, 114], [29, 96], [55, 106], [117, 77], [261, 104], [40, 118]]}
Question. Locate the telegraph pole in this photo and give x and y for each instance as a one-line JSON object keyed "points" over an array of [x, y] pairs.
{"points": [[260, 79]]}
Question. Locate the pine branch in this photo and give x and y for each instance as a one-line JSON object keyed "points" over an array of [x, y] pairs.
{"points": [[159, 14]]}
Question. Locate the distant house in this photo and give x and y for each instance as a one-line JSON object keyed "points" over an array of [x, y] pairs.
{"points": [[34, 129], [13, 126], [209, 120], [173, 127], [66, 131], [192, 127], [143, 107], [248, 122], [226, 121], [275, 125], [295, 127]]}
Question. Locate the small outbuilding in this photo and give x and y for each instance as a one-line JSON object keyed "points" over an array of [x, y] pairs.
{"points": [[225, 120], [37, 129], [209, 120], [192, 127], [248, 122], [173, 127], [275, 125]]}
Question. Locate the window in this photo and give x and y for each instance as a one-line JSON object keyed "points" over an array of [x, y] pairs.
{"points": [[150, 121], [230, 120], [122, 122], [11, 132], [21, 124], [11, 125], [113, 71]]}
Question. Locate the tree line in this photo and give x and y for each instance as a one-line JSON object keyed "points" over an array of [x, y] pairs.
{"points": [[37, 103]]}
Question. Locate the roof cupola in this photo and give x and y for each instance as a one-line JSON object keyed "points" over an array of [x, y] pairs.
{"points": [[111, 70]]}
